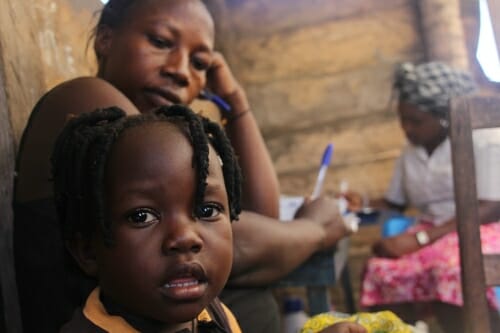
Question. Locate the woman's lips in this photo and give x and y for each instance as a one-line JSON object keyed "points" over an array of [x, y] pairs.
{"points": [[161, 97]]}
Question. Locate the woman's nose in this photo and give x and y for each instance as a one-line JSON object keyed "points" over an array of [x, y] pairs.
{"points": [[176, 67], [181, 236]]}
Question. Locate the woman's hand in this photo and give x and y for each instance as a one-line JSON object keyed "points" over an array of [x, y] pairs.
{"points": [[324, 211], [395, 247], [344, 327], [220, 79], [354, 201]]}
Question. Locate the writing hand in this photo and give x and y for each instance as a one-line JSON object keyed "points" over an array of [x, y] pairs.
{"points": [[324, 211], [354, 201]]}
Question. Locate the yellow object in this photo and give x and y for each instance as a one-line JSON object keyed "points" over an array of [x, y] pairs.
{"points": [[376, 322]]}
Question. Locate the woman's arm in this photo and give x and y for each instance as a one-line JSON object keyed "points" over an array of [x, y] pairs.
{"points": [[266, 249], [260, 183], [355, 203], [489, 211], [394, 247]]}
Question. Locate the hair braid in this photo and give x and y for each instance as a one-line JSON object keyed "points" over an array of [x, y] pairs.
{"points": [[78, 169], [200, 144], [82, 149], [230, 167]]}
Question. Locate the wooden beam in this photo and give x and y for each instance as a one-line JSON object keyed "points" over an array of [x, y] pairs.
{"points": [[443, 32]]}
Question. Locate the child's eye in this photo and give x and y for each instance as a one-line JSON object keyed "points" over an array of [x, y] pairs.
{"points": [[209, 211], [161, 43], [143, 217]]}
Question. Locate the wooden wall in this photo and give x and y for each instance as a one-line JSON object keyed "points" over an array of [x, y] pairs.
{"points": [[43, 43], [319, 72], [315, 71]]}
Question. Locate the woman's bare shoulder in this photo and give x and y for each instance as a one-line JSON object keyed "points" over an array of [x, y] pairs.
{"points": [[85, 94], [68, 99]]}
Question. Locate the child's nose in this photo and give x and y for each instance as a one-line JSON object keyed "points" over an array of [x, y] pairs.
{"points": [[182, 237], [176, 67]]}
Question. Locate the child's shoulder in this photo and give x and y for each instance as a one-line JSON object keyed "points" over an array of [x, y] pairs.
{"points": [[220, 313], [80, 324]]}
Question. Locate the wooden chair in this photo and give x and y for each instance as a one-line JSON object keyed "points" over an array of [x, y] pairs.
{"points": [[478, 270]]}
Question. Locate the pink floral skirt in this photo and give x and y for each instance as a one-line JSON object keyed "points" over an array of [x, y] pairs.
{"points": [[429, 274]]}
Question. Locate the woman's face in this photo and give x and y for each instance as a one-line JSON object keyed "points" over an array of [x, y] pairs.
{"points": [[421, 128], [169, 259], [160, 54]]}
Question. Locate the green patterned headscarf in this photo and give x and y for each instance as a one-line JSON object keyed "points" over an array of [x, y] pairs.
{"points": [[430, 86]]}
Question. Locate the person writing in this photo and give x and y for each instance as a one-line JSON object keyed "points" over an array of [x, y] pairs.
{"points": [[421, 265], [150, 54]]}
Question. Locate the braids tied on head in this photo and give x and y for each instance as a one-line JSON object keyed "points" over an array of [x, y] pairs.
{"points": [[82, 149], [430, 86]]}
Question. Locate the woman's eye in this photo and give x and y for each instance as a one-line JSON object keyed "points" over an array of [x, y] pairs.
{"points": [[160, 43], [142, 217], [200, 64], [209, 211]]}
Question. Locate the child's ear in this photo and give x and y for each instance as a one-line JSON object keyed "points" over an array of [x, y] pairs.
{"points": [[83, 251], [103, 40]]}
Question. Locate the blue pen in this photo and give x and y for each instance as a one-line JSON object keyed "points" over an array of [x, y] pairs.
{"points": [[325, 162], [222, 104]]}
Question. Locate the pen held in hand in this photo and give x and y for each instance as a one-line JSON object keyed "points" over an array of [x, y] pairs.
{"points": [[325, 163]]}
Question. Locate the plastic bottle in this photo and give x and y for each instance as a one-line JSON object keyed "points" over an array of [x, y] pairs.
{"points": [[294, 315]]}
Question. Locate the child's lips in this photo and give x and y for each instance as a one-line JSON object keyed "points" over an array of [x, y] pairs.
{"points": [[185, 288], [185, 282]]}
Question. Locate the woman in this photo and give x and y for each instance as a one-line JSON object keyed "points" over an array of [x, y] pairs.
{"points": [[150, 54], [422, 265]]}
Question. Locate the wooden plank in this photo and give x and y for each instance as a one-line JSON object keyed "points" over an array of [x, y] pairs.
{"points": [[441, 21], [326, 48], [258, 17], [492, 269], [483, 117], [473, 277], [10, 304]]}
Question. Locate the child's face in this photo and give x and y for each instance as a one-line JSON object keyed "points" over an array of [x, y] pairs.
{"points": [[161, 53], [165, 264]]}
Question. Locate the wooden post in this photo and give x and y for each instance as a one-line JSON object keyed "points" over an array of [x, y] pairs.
{"points": [[443, 32], [494, 7], [10, 304]]}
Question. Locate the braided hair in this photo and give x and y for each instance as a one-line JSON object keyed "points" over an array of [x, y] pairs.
{"points": [[82, 149]]}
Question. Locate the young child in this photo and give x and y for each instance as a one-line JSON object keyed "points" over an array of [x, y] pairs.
{"points": [[145, 204]]}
